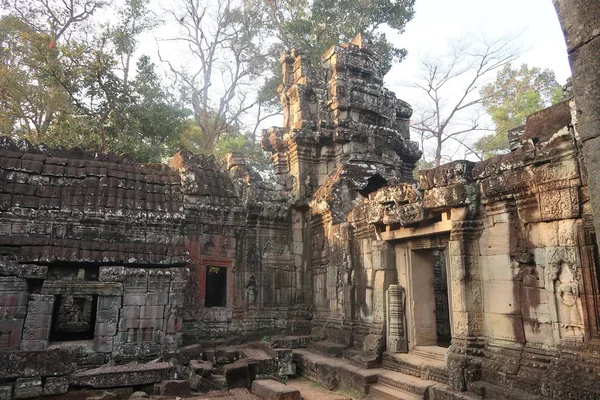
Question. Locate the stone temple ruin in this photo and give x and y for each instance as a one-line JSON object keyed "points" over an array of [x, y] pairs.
{"points": [[481, 280]]}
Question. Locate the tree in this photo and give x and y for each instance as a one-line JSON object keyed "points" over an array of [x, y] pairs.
{"points": [[314, 26], [226, 58], [30, 36], [514, 95], [451, 85]]}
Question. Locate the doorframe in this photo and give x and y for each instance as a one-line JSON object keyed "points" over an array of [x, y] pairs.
{"points": [[405, 269]]}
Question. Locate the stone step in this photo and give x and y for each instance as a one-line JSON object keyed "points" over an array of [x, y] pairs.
{"points": [[490, 391], [380, 391], [416, 365], [124, 375], [269, 389], [360, 359], [290, 342], [435, 353], [328, 348], [334, 373], [407, 383]]}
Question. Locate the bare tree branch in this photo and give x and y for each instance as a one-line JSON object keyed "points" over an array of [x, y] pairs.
{"points": [[451, 90]]}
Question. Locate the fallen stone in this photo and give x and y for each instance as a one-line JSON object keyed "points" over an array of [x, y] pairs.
{"points": [[53, 362], [191, 352], [28, 387], [139, 395], [217, 381], [104, 396], [202, 368], [6, 391], [124, 375], [269, 389], [175, 388], [237, 375], [54, 386]]}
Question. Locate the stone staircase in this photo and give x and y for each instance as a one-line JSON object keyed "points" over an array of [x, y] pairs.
{"points": [[417, 375]]}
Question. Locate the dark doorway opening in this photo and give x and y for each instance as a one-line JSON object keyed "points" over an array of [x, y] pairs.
{"points": [[74, 317], [440, 290], [216, 287]]}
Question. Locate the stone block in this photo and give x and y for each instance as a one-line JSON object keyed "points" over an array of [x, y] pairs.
{"points": [[54, 386], [202, 368], [109, 316], [502, 297], [33, 271], [6, 391], [28, 387], [41, 307], [496, 267], [152, 312], [52, 362], [136, 299], [157, 299], [106, 329], [111, 274], [269, 389], [124, 375], [559, 204], [109, 302], [103, 344], [504, 327], [174, 388], [238, 374], [33, 345]]}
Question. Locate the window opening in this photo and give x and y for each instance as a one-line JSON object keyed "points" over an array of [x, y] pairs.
{"points": [[216, 287]]}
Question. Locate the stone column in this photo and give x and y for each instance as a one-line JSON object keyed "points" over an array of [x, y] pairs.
{"points": [[397, 341], [36, 331], [580, 21], [466, 298], [13, 303]]}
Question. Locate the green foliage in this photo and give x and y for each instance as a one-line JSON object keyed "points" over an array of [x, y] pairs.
{"points": [[514, 95], [316, 25], [235, 142], [66, 81]]}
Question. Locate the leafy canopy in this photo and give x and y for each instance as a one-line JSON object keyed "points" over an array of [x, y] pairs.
{"points": [[515, 94]]}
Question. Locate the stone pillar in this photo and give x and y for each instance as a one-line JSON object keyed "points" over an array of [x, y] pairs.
{"points": [[580, 21], [36, 331], [13, 304], [466, 298], [397, 341]]}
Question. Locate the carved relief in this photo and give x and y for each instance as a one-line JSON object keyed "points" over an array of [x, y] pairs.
{"points": [[251, 292], [397, 341], [568, 300]]}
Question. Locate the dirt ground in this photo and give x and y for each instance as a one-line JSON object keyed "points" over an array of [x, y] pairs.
{"points": [[312, 391], [309, 391]]}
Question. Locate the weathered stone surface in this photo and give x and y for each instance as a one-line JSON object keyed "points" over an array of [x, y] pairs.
{"points": [[53, 362], [268, 389], [28, 387], [54, 386], [202, 368], [6, 391], [238, 374], [174, 388], [123, 375]]}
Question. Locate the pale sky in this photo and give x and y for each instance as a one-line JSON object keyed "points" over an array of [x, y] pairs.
{"points": [[437, 21]]}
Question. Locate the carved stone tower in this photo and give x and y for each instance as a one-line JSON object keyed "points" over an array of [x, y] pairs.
{"points": [[340, 124]]}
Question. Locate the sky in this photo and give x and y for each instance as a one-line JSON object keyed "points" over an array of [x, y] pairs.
{"points": [[436, 22]]}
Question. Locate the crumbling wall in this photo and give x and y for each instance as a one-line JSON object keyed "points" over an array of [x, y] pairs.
{"points": [[522, 258], [109, 260]]}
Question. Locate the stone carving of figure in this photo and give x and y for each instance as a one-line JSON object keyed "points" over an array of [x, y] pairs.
{"points": [[251, 291], [568, 294]]}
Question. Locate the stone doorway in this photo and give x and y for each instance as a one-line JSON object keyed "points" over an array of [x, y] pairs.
{"points": [[424, 274]]}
